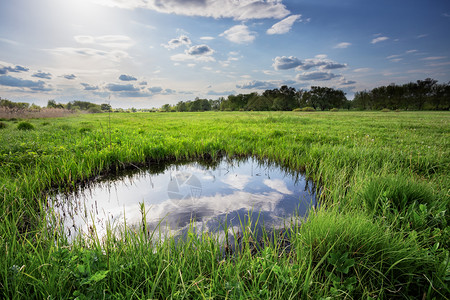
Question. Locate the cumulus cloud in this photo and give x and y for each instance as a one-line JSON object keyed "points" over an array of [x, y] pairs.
{"points": [[320, 62], [238, 10], [11, 81], [133, 94], [109, 41], [70, 76], [177, 42], [224, 93], [284, 25], [15, 69], [113, 87], [256, 84], [124, 77], [169, 92], [88, 87], [342, 45], [316, 75], [42, 75], [346, 82], [201, 53], [200, 50], [286, 62], [333, 65], [239, 34], [379, 39], [155, 89]]}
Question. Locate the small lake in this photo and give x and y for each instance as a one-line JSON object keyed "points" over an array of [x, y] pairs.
{"points": [[210, 196]]}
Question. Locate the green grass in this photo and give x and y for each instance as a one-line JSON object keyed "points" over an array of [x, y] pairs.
{"points": [[382, 230]]}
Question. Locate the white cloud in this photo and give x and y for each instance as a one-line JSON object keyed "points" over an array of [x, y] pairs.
{"points": [[238, 10], [393, 56], [108, 41], [200, 53], [207, 38], [379, 39], [434, 57], [316, 75], [342, 45], [239, 34], [361, 70], [278, 185], [321, 62], [112, 55], [265, 84], [237, 181], [200, 50], [286, 62], [175, 43], [284, 25]]}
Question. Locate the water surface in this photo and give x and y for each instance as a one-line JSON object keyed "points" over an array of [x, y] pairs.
{"points": [[209, 196]]}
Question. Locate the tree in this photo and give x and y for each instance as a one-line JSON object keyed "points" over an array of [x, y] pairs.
{"points": [[165, 108], [105, 107], [326, 98]]}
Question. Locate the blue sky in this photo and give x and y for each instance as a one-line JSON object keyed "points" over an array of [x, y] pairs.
{"points": [[145, 53]]}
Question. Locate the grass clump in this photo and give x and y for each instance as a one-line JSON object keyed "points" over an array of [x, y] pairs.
{"points": [[354, 256], [334, 109], [25, 126], [385, 110], [396, 193]]}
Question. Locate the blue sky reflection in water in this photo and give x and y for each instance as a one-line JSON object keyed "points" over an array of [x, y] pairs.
{"points": [[210, 195]]}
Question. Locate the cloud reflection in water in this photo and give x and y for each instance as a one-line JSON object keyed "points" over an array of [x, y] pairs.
{"points": [[210, 196]]}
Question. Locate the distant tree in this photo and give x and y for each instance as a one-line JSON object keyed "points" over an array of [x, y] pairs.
{"points": [[165, 108], [181, 106], [105, 107], [51, 104], [441, 97], [259, 103]]}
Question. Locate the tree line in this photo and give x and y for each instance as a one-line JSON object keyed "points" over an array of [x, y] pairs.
{"points": [[420, 95], [425, 94], [283, 99]]}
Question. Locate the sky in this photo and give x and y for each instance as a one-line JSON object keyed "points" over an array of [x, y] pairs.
{"points": [[146, 53]]}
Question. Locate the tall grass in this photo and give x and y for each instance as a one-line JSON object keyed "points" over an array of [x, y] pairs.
{"points": [[382, 231]]}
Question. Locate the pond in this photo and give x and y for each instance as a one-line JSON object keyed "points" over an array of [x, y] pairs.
{"points": [[210, 196]]}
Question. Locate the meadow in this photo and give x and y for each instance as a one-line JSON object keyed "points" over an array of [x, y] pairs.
{"points": [[382, 230]]}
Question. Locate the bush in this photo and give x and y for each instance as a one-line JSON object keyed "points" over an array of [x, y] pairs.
{"points": [[334, 109], [297, 109], [25, 126], [308, 108], [385, 110], [3, 125]]}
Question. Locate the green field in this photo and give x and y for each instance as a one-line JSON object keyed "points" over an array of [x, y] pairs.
{"points": [[382, 230]]}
